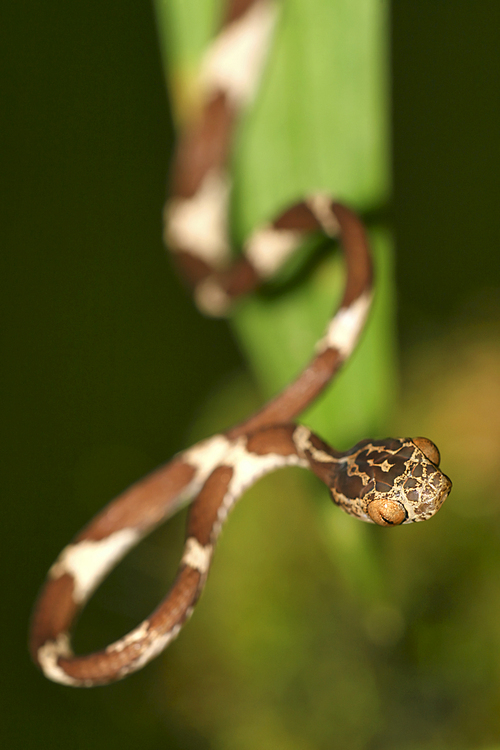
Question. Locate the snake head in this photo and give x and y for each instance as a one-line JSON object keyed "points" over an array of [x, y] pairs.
{"points": [[391, 482]]}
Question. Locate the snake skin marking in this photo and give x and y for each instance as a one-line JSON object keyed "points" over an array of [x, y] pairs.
{"points": [[153, 649], [268, 248], [211, 299], [206, 455], [199, 223], [321, 206], [234, 62], [343, 331], [135, 636], [247, 469], [302, 439], [48, 655], [89, 561], [196, 555], [203, 457]]}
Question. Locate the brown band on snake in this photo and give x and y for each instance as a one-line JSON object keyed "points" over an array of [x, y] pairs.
{"points": [[204, 510], [196, 212], [236, 10], [204, 147], [144, 505], [388, 482]]}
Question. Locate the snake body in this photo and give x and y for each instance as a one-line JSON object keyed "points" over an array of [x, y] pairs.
{"points": [[388, 482]]}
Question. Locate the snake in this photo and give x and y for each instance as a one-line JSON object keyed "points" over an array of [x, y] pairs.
{"points": [[388, 482]]}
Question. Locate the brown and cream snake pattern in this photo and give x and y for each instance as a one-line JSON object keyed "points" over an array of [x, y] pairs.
{"points": [[388, 482]]}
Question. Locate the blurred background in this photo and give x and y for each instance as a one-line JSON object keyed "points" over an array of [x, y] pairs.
{"points": [[309, 635]]}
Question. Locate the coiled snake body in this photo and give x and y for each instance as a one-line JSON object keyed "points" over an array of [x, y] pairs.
{"points": [[388, 482]]}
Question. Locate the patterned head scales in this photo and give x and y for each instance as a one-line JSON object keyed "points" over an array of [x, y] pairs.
{"points": [[391, 482]]}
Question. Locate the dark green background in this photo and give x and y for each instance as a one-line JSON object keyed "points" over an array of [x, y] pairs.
{"points": [[102, 346]]}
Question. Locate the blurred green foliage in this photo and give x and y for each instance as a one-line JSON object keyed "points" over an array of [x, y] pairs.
{"points": [[298, 642]]}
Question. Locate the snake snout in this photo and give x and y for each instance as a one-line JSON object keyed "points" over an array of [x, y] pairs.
{"points": [[425, 500]]}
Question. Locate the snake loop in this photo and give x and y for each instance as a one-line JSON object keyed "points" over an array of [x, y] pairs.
{"points": [[388, 482]]}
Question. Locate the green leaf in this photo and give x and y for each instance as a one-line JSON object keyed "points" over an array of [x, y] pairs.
{"points": [[320, 122]]}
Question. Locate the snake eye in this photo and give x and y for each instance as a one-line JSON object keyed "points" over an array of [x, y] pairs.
{"points": [[386, 512], [428, 449]]}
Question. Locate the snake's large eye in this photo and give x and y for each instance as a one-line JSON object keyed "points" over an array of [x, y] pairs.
{"points": [[386, 512], [428, 449]]}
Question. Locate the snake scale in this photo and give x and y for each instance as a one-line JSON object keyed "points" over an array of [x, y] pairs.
{"points": [[388, 482]]}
